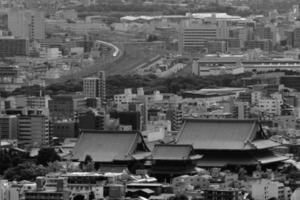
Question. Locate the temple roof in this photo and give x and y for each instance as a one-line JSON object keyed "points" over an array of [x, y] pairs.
{"points": [[109, 146], [173, 152], [219, 134]]}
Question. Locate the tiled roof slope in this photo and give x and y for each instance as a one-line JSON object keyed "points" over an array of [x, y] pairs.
{"points": [[219, 134], [106, 146]]}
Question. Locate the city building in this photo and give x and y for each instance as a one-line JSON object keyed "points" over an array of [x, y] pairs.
{"points": [[241, 110], [95, 87], [265, 45], [265, 189], [222, 194], [8, 127], [10, 78], [194, 36], [291, 82], [59, 192], [271, 105], [26, 24], [33, 130], [10, 47], [175, 115], [91, 119], [64, 129], [65, 106]]}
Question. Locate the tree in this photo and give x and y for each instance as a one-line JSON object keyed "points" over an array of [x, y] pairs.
{"points": [[88, 165], [25, 171], [10, 158], [47, 155], [54, 166]]}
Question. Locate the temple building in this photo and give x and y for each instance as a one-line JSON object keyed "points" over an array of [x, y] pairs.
{"points": [[171, 160], [229, 142], [111, 150]]}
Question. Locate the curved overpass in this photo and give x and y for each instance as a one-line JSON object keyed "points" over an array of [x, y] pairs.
{"points": [[115, 48]]}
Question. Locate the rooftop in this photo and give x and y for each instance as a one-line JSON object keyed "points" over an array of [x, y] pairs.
{"points": [[217, 134], [109, 146]]}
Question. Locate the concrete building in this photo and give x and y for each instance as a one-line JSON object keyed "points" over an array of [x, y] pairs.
{"points": [[193, 37], [4, 190], [8, 127], [271, 105], [58, 192], [65, 129], [175, 115], [222, 194], [296, 37], [95, 87], [264, 44], [216, 47], [33, 130], [64, 106], [265, 189], [10, 47], [27, 24], [241, 110], [91, 120]]}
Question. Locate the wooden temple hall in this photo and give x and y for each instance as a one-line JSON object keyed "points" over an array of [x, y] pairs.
{"points": [[225, 143], [201, 143]]}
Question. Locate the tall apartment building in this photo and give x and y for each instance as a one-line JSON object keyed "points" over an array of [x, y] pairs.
{"points": [[175, 115], [27, 24], [8, 127], [95, 87], [33, 130]]}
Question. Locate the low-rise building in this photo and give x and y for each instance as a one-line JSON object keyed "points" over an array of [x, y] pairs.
{"points": [[265, 189]]}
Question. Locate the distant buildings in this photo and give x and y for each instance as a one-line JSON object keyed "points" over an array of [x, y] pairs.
{"points": [[193, 38], [8, 127], [33, 130], [95, 87], [10, 47], [265, 189], [60, 192], [27, 24], [223, 194], [64, 106]]}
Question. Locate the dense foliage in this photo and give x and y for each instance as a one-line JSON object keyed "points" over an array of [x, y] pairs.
{"points": [[18, 166], [117, 83], [47, 155], [25, 171]]}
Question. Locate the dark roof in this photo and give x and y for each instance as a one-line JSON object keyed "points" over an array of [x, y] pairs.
{"points": [[214, 159], [108, 146], [171, 152], [219, 134]]}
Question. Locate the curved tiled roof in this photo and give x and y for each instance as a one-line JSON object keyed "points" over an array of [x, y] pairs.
{"points": [[212, 134], [107, 146]]}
